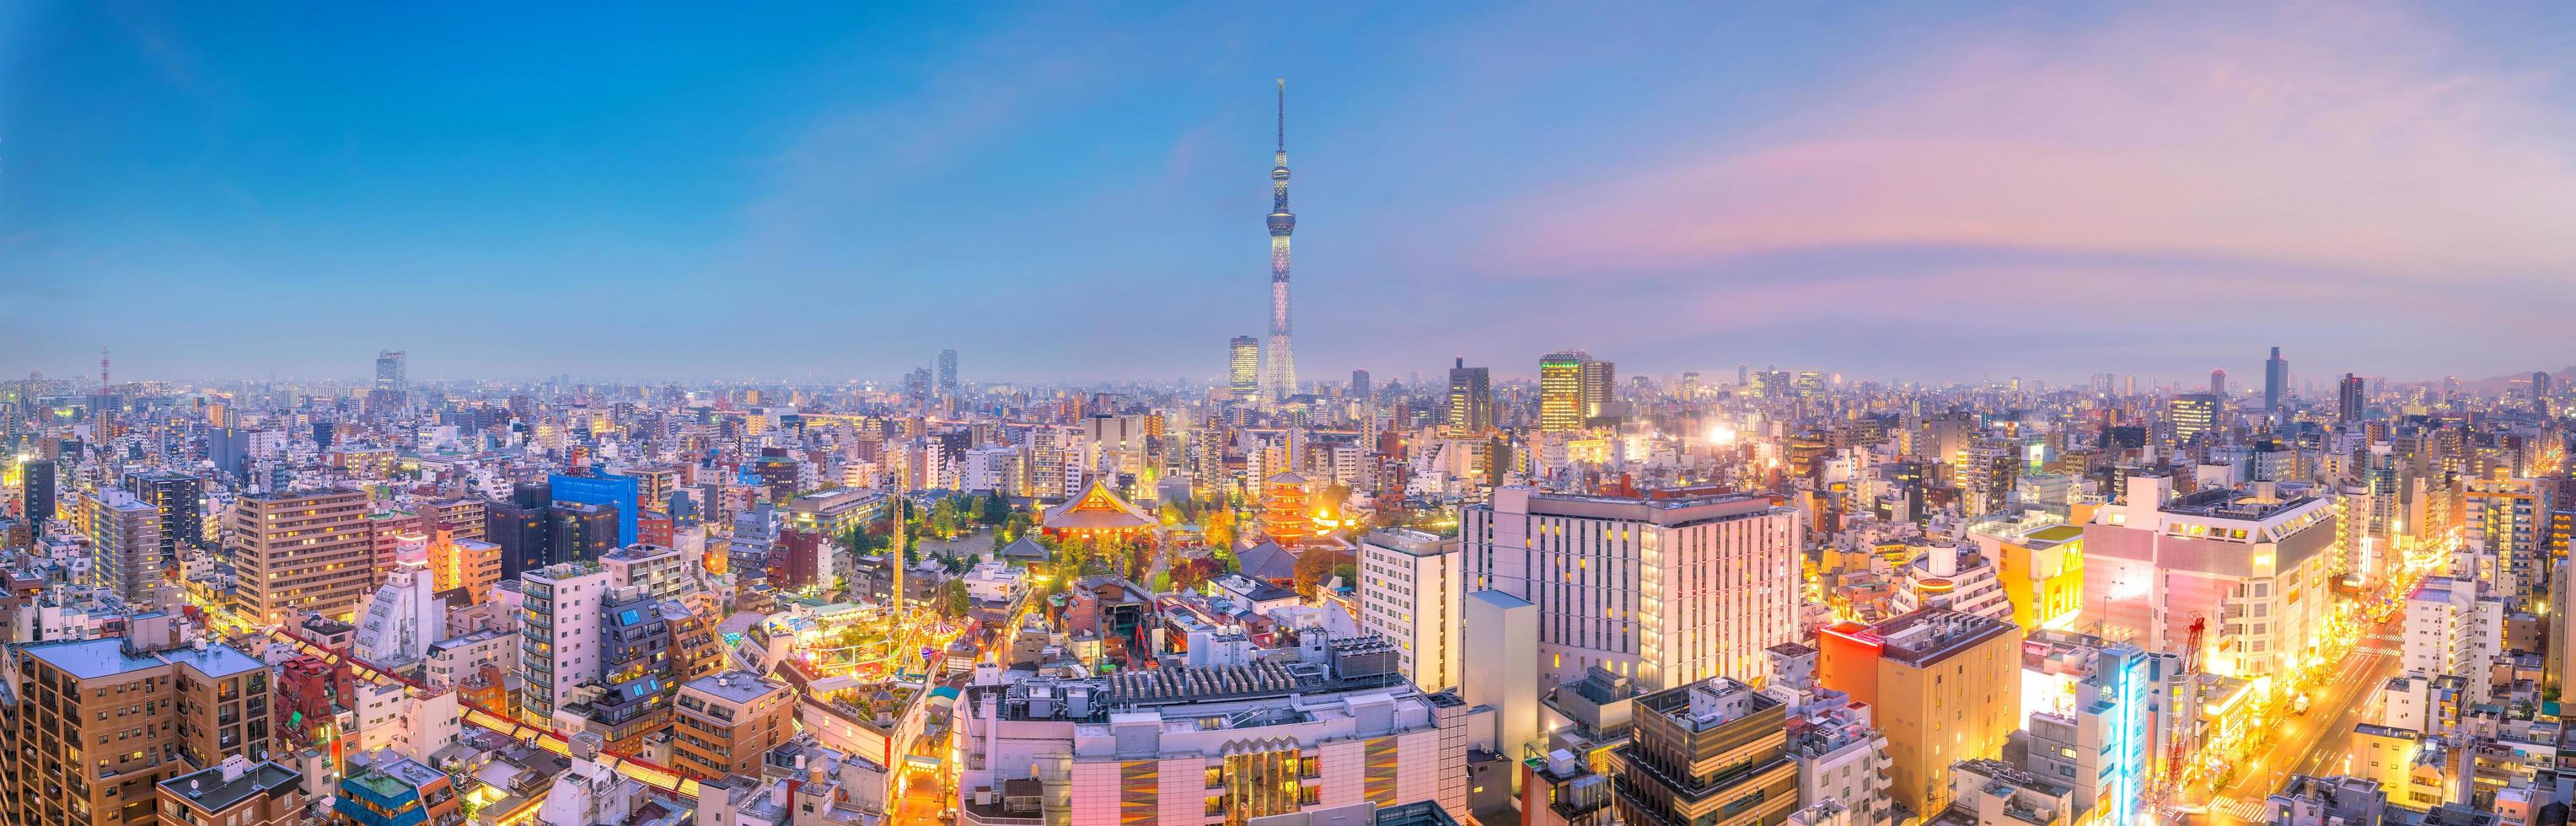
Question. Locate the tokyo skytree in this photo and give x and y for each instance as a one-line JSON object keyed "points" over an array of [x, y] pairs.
{"points": [[1278, 362]]}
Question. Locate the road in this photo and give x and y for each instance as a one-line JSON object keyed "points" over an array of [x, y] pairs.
{"points": [[2316, 742]]}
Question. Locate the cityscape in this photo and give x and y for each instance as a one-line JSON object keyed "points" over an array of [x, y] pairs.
{"points": [[1909, 508]]}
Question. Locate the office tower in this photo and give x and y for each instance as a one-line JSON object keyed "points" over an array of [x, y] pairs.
{"points": [[947, 373], [1243, 367], [125, 544], [2276, 382], [405, 615], [726, 722], [1743, 375], [79, 754], [1668, 590], [180, 500], [605, 490], [2193, 415], [1600, 386], [392, 376], [1279, 365], [1561, 392], [1360, 384], [1945, 687], [2543, 386], [578, 532], [559, 615], [1471, 400], [234, 792], [2238, 570], [2348, 399], [916, 385], [523, 531], [1409, 591], [1713, 751], [2218, 383], [1690, 386], [37, 476], [1811, 382], [300, 551]]}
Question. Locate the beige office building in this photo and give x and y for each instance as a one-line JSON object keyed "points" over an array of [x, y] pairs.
{"points": [[301, 551]]}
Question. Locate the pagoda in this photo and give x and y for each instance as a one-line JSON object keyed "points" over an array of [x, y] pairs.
{"points": [[1097, 513], [1287, 510]]}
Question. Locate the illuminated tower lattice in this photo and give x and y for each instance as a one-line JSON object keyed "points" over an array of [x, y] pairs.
{"points": [[1279, 364]]}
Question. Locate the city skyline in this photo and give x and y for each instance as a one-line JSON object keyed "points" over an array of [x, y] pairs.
{"points": [[1879, 207]]}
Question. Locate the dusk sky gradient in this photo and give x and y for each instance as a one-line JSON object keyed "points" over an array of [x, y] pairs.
{"points": [[1073, 192]]}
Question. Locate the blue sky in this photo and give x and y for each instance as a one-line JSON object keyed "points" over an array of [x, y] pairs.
{"points": [[1075, 191]]}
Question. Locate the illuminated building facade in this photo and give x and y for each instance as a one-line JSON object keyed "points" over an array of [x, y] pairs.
{"points": [[2042, 565], [1560, 392], [1287, 513], [2251, 570], [301, 551], [1666, 590], [1409, 592], [1946, 687], [1713, 751], [2192, 415], [1213, 745], [1243, 367], [2508, 530], [1471, 400], [79, 755]]}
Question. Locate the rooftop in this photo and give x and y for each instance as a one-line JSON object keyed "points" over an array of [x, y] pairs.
{"points": [[736, 687], [1926, 636], [208, 788], [94, 659]]}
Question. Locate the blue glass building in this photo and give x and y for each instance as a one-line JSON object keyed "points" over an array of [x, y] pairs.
{"points": [[616, 491]]}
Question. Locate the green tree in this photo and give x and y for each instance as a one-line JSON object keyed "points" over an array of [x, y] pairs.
{"points": [[953, 602]]}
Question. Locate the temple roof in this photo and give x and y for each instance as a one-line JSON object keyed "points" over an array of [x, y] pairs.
{"points": [[1097, 510]]}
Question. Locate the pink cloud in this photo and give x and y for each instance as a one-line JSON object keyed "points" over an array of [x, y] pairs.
{"points": [[2305, 137]]}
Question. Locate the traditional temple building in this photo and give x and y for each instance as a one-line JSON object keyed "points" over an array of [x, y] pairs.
{"points": [[1287, 510], [1097, 513]]}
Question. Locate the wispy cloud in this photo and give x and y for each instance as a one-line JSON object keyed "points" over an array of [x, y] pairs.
{"points": [[2315, 136]]}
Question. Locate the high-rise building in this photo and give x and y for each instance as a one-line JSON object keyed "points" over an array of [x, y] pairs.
{"points": [[1945, 686], [301, 551], [37, 478], [392, 373], [2193, 415], [559, 615], [2348, 399], [80, 754], [180, 500], [947, 373], [1600, 386], [1713, 751], [2218, 383], [1471, 400], [1243, 367], [1360, 384], [1410, 592], [124, 544], [1279, 364], [1667, 590], [2276, 383], [1561, 392], [2508, 532], [606, 490], [2543, 389]]}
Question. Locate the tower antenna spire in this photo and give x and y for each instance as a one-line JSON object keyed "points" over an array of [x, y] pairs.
{"points": [[1283, 116]]}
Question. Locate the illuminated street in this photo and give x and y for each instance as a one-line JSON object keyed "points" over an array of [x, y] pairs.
{"points": [[2312, 743]]}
